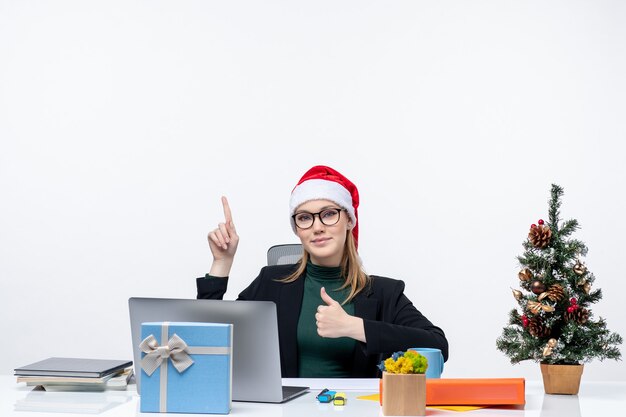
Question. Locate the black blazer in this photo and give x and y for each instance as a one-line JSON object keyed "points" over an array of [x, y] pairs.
{"points": [[391, 321]]}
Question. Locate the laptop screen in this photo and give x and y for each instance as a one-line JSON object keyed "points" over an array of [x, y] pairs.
{"points": [[256, 354]]}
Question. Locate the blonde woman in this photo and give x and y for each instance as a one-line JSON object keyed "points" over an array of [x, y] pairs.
{"points": [[334, 320]]}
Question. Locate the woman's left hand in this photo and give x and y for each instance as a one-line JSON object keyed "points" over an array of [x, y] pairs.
{"points": [[333, 321]]}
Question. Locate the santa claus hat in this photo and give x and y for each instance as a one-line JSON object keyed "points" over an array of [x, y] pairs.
{"points": [[324, 183]]}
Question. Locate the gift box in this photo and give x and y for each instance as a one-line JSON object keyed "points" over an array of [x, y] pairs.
{"points": [[186, 367], [476, 391]]}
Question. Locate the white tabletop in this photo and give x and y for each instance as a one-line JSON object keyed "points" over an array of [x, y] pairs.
{"points": [[595, 399]]}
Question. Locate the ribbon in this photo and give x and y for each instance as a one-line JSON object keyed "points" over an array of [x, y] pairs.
{"points": [[536, 307], [177, 351]]}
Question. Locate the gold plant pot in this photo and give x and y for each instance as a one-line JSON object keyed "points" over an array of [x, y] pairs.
{"points": [[404, 394], [561, 379]]}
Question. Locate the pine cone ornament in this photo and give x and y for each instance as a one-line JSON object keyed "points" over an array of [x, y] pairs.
{"points": [[537, 328], [555, 293], [540, 235], [579, 315]]}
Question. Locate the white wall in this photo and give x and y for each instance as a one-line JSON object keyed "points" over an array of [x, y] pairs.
{"points": [[122, 123]]}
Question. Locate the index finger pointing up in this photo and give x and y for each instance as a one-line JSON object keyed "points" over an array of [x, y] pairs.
{"points": [[228, 217]]}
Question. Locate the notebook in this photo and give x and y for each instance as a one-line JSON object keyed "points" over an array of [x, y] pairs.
{"points": [[73, 367], [256, 355]]}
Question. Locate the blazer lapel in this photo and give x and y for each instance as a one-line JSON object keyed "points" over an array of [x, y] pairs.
{"points": [[365, 308], [289, 305]]}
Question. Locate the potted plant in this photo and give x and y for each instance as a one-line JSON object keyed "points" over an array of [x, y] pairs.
{"points": [[403, 388], [553, 323]]}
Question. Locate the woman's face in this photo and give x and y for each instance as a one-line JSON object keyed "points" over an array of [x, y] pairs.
{"points": [[324, 243]]}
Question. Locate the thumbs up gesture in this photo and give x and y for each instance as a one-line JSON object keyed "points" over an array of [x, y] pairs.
{"points": [[332, 320]]}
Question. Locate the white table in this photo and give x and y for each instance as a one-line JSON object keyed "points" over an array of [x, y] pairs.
{"points": [[596, 399]]}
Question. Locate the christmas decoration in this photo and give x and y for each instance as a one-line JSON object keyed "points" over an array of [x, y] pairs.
{"points": [[540, 235], [525, 321], [525, 275], [537, 287], [553, 322], [517, 294], [537, 328], [576, 314], [579, 268], [536, 308], [555, 293], [586, 286], [547, 351]]}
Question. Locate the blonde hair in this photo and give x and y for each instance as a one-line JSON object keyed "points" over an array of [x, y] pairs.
{"points": [[351, 271]]}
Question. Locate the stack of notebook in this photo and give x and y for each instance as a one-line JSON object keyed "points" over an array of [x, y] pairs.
{"points": [[76, 374]]}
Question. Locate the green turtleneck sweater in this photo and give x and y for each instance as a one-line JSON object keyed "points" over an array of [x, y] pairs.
{"points": [[320, 357]]}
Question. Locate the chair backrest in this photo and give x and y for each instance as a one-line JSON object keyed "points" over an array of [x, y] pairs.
{"points": [[284, 254]]}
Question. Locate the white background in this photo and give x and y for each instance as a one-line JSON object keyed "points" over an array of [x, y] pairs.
{"points": [[122, 123]]}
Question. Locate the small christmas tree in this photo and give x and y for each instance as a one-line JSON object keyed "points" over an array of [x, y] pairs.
{"points": [[554, 324]]}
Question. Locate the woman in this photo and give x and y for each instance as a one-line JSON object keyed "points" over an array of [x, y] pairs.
{"points": [[333, 319]]}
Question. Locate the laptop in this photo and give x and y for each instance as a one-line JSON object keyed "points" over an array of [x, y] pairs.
{"points": [[256, 355]]}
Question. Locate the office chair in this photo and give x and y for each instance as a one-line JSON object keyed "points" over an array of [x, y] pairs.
{"points": [[284, 254]]}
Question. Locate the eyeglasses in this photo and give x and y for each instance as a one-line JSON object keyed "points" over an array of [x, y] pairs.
{"points": [[328, 217]]}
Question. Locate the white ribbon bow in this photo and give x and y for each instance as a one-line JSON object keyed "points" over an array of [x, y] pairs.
{"points": [[176, 350]]}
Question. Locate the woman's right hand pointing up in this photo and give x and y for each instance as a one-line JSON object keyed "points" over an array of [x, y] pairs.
{"points": [[223, 242]]}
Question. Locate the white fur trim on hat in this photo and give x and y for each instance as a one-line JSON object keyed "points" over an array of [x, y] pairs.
{"points": [[321, 190]]}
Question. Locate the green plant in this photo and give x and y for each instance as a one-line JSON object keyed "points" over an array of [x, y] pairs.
{"points": [[409, 362]]}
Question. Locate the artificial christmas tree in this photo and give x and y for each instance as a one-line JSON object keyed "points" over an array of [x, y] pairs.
{"points": [[554, 324]]}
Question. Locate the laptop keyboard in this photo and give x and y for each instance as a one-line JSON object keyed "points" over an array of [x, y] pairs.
{"points": [[290, 391]]}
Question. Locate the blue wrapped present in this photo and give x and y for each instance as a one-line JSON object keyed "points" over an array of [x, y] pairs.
{"points": [[186, 367]]}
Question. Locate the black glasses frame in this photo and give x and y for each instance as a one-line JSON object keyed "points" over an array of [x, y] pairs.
{"points": [[318, 214]]}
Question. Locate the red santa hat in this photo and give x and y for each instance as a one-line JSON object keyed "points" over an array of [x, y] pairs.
{"points": [[324, 183]]}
